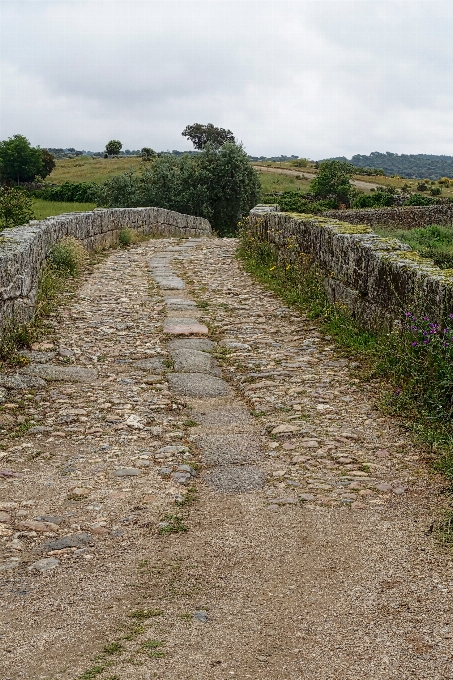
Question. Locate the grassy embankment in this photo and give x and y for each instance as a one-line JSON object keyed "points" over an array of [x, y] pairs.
{"points": [[43, 209]]}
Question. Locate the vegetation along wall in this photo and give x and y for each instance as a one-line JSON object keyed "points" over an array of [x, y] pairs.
{"points": [[23, 250], [401, 217], [378, 279]]}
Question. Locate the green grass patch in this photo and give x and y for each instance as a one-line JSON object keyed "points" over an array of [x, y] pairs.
{"points": [[411, 368], [172, 524], [43, 209], [434, 242]]}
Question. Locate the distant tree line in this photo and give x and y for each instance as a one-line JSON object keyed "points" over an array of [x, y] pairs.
{"points": [[411, 166]]}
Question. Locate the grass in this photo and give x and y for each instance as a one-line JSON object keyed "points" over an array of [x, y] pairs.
{"points": [[414, 379], [435, 242], [43, 209], [173, 525], [88, 169]]}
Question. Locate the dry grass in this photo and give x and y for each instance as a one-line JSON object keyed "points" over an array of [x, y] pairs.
{"points": [[88, 169]]}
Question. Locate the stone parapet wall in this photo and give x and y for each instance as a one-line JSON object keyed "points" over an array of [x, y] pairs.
{"points": [[23, 250], [378, 279], [399, 217]]}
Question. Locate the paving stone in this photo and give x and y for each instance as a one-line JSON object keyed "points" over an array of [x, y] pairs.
{"points": [[225, 415], [155, 365], [228, 449], [127, 472], [61, 373], [198, 385], [236, 479], [194, 361], [72, 541], [185, 329], [20, 382], [170, 283], [201, 344]]}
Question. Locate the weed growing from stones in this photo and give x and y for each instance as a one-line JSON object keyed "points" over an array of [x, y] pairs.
{"points": [[172, 524], [127, 237]]}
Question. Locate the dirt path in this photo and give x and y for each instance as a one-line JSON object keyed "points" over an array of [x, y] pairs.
{"points": [[308, 553], [360, 184]]}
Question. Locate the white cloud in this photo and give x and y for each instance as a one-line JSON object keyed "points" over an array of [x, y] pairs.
{"points": [[314, 78]]}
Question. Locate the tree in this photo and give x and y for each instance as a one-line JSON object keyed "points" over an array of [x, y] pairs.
{"points": [[200, 135], [48, 163], [219, 184], [19, 161], [15, 207], [113, 147], [147, 153], [333, 181]]}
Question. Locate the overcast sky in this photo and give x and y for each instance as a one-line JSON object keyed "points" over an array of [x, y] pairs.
{"points": [[314, 78]]}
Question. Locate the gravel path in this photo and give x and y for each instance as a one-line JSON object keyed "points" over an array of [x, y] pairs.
{"points": [[207, 492]]}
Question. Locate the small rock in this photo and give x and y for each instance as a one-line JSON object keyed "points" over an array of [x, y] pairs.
{"points": [[34, 525], [165, 471], [135, 422], [201, 616], [16, 544], [20, 382], [286, 428], [382, 453], [39, 429], [284, 501], [10, 564], [142, 463], [71, 541], [50, 518], [45, 564], [398, 490], [343, 460], [8, 506], [4, 531], [306, 497], [300, 459], [187, 468], [127, 472], [384, 487], [357, 506], [288, 447], [78, 492], [181, 477], [172, 450], [4, 517], [3, 395]]}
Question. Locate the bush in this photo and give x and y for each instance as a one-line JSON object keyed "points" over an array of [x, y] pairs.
{"points": [[15, 207], [295, 201], [333, 182], [70, 192], [218, 184], [127, 236], [420, 199], [67, 257], [377, 199]]}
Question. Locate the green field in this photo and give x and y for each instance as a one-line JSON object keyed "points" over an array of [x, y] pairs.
{"points": [[44, 209], [89, 169]]}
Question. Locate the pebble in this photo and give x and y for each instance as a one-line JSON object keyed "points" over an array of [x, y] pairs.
{"points": [[45, 564], [127, 472], [4, 517], [201, 616], [34, 525]]}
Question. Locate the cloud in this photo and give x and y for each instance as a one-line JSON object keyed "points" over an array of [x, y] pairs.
{"points": [[315, 78]]}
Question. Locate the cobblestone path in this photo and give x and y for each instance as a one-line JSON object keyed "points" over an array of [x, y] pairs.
{"points": [[206, 491]]}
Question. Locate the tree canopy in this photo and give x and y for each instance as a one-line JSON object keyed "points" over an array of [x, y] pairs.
{"points": [[200, 135], [113, 147], [333, 181], [19, 161]]}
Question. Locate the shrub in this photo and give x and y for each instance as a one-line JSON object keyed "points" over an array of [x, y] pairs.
{"points": [[70, 192], [67, 257], [295, 201], [420, 199], [218, 184], [15, 207], [127, 236], [333, 181], [435, 191], [377, 199]]}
